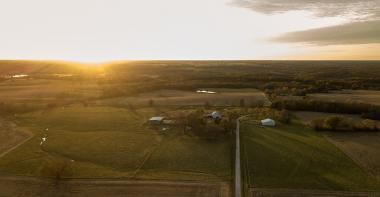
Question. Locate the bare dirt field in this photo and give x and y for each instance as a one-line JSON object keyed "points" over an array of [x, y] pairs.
{"points": [[23, 186], [362, 96], [11, 136], [310, 193], [362, 147]]}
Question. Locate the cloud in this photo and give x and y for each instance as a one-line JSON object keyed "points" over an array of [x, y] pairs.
{"points": [[368, 9], [363, 28], [364, 32]]}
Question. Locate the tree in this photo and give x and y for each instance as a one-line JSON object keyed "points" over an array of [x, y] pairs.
{"points": [[333, 122], [317, 124], [228, 125], [285, 116], [56, 168], [195, 119], [242, 102], [232, 115]]}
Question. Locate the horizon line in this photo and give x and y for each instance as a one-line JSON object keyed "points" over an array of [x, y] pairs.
{"points": [[188, 60]]}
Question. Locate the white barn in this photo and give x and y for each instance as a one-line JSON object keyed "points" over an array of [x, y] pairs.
{"points": [[268, 122]]}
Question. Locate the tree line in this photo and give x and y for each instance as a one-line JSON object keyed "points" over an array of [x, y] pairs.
{"points": [[366, 110]]}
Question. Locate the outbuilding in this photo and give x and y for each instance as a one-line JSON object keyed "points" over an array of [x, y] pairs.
{"points": [[268, 122]]}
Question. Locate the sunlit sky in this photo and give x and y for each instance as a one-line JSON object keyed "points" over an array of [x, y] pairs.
{"points": [[108, 30]]}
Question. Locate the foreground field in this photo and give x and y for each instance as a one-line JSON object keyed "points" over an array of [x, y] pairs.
{"points": [[363, 148], [295, 157], [109, 142], [21, 186]]}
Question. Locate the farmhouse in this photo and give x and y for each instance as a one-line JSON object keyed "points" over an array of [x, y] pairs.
{"points": [[268, 122], [216, 115], [156, 120]]}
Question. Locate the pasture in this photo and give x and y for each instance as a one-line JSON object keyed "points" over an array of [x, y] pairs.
{"points": [[217, 97], [295, 157], [109, 142]]}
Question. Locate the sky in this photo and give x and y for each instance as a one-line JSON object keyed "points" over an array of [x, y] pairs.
{"points": [[109, 30]]}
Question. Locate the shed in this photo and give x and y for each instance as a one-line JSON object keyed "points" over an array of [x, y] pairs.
{"points": [[216, 115], [268, 122], [156, 120]]}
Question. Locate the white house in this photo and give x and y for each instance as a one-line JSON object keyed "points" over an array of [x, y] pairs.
{"points": [[216, 115], [268, 122]]}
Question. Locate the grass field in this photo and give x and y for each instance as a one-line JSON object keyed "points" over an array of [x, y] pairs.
{"points": [[41, 92], [34, 187], [221, 97], [361, 96], [11, 136], [362, 147], [295, 157], [109, 142]]}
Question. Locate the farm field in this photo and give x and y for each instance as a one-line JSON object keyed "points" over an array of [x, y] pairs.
{"points": [[11, 136], [23, 186], [215, 97], [41, 92], [361, 96], [96, 130], [362, 147], [295, 157], [109, 142]]}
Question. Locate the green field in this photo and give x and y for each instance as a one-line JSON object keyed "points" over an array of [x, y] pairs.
{"points": [[109, 142], [295, 157]]}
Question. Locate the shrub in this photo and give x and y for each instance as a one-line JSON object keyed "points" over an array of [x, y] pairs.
{"points": [[318, 124], [337, 123], [56, 168], [333, 122]]}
